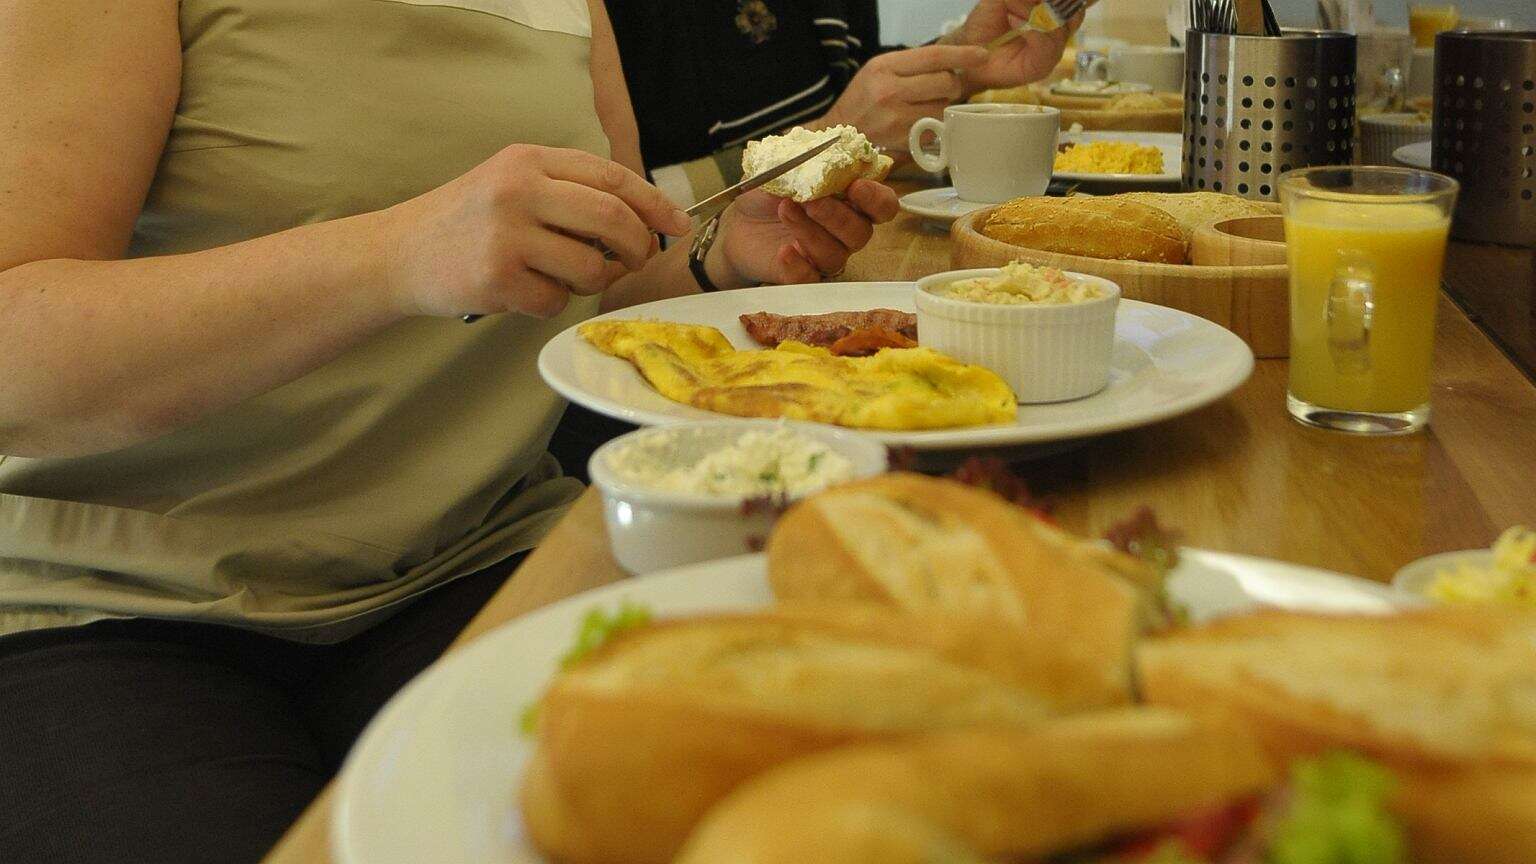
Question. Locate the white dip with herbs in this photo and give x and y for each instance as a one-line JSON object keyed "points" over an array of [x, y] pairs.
{"points": [[757, 463]]}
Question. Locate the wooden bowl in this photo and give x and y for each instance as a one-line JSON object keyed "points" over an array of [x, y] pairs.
{"points": [[1250, 241], [1251, 301]]}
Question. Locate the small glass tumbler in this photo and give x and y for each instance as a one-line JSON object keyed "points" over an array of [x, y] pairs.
{"points": [[1427, 20], [1366, 246]]}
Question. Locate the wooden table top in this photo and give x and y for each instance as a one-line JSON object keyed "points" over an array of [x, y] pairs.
{"points": [[1238, 476]]}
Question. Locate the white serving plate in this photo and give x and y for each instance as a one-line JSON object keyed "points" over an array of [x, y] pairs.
{"points": [[1170, 143], [1415, 577], [1166, 363], [435, 775]]}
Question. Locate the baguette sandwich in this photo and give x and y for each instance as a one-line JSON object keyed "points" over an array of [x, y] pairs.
{"points": [[638, 739], [829, 173], [929, 545], [1145, 785], [1446, 698]]}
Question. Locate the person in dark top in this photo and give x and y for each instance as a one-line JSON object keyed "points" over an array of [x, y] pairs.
{"points": [[706, 76]]}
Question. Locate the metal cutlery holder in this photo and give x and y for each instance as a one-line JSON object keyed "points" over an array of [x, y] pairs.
{"points": [[1485, 132], [1256, 107]]}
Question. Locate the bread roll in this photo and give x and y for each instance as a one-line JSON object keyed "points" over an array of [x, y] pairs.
{"points": [[1133, 112], [1193, 209], [829, 173], [928, 545], [638, 740], [978, 796], [1097, 227], [1446, 698]]}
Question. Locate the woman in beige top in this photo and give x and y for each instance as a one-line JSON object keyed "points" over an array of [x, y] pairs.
{"points": [[246, 431]]}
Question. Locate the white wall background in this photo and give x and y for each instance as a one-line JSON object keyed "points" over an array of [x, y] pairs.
{"points": [[915, 21]]}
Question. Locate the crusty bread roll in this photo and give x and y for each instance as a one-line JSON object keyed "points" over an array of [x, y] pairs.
{"points": [[1446, 698], [830, 173], [638, 740], [1097, 227], [1133, 112], [977, 796], [1193, 209], [1436, 684], [929, 545]]}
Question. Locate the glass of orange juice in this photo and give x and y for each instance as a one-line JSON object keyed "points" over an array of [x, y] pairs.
{"points": [[1427, 19], [1365, 247]]}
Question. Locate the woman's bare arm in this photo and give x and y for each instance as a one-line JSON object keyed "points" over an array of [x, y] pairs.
{"points": [[667, 275], [101, 353], [98, 352]]}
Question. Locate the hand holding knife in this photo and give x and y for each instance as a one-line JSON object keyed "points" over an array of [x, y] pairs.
{"points": [[716, 204]]}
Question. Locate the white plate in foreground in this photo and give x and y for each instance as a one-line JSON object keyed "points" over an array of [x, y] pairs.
{"points": [[1171, 144], [939, 205], [1416, 155], [1166, 363], [1415, 577], [435, 775]]}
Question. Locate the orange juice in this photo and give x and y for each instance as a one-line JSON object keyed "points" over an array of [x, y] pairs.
{"points": [[1425, 20], [1365, 281]]}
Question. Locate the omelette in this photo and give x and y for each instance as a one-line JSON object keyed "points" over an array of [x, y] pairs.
{"points": [[895, 389]]}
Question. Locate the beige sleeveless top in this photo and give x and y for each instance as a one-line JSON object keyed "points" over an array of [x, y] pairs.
{"points": [[415, 457]]}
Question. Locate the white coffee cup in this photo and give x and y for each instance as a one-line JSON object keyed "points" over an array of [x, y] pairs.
{"points": [[1160, 66], [994, 152]]}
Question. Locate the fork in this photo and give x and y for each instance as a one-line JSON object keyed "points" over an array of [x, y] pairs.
{"points": [[1048, 16]]}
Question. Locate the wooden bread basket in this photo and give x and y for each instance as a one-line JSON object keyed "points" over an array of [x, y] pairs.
{"points": [[1251, 301]]}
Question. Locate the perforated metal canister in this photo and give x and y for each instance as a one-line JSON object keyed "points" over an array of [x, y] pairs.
{"points": [[1256, 107], [1485, 132]]}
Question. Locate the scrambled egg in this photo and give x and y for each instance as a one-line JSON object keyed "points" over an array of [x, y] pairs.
{"points": [[1110, 157], [1509, 579], [898, 388]]}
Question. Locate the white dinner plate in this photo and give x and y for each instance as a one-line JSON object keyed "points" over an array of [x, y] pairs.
{"points": [[1416, 155], [942, 205], [435, 775], [1171, 144], [1415, 577], [1166, 363]]}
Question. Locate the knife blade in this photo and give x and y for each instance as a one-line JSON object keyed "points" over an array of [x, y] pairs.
{"points": [[724, 197]]}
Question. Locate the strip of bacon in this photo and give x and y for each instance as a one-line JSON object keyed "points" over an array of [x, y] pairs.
{"points": [[769, 329], [862, 343]]}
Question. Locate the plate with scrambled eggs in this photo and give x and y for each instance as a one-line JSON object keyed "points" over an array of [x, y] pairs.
{"points": [[1120, 158], [1504, 575], [691, 358]]}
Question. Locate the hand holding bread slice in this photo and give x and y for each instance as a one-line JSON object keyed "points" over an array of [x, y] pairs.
{"points": [[830, 173]]}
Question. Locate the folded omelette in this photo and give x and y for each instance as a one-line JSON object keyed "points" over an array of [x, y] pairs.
{"points": [[898, 388]]}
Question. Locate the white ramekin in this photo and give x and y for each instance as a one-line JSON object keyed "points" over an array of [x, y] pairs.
{"points": [[652, 530], [1046, 353], [1383, 134]]}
